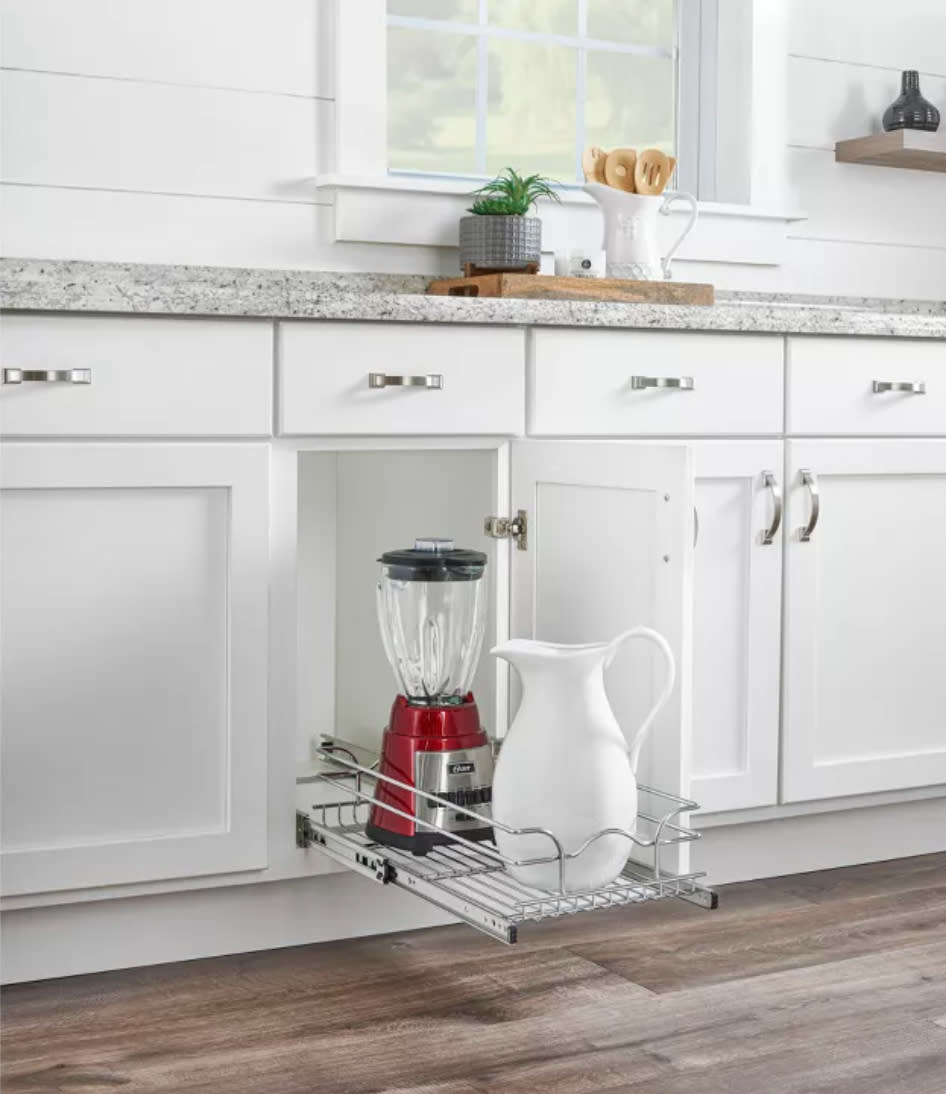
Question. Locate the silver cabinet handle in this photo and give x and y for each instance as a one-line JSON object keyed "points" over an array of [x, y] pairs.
{"points": [[682, 383], [912, 387], [810, 480], [771, 483], [379, 379], [696, 525], [47, 376]]}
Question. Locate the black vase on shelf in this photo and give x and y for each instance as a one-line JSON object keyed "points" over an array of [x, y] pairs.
{"points": [[910, 110]]}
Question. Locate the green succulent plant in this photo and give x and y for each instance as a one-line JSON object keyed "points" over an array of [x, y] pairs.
{"points": [[509, 194]]}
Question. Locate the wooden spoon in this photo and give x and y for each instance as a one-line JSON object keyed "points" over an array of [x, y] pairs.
{"points": [[619, 169], [592, 163], [652, 171]]}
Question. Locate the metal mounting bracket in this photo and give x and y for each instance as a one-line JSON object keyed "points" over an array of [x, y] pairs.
{"points": [[515, 528]]}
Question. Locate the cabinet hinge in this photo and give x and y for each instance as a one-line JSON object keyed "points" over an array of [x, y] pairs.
{"points": [[509, 528]]}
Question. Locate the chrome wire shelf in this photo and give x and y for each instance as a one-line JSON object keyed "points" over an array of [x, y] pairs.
{"points": [[471, 879]]}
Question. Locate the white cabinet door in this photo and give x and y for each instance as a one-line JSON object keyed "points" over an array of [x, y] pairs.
{"points": [[737, 623], [610, 547], [134, 601], [865, 618]]}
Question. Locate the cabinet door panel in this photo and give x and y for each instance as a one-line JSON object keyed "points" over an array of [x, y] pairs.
{"points": [[737, 626], [133, 661], [865, 690], [609, 548]]}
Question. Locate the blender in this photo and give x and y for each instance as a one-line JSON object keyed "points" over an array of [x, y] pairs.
{"points": [[431, 602]]}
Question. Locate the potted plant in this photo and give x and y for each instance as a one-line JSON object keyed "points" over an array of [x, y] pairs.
{"points": [[499, 235]]}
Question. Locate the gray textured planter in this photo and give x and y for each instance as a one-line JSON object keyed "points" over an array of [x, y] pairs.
{"points": [[500, 243]]}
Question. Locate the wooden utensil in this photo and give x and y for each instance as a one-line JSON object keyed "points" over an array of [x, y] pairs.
{"points": [[619, 169], [592, 163], [652, 171]]}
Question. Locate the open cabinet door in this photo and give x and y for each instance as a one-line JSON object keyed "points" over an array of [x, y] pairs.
{"points": [[610, 547]]}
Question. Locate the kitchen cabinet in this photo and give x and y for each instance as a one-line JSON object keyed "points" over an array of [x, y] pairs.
{"points": [[185, 616], [737, 623], [134, 605], [605, 546], [585, 539], [865, 691]]}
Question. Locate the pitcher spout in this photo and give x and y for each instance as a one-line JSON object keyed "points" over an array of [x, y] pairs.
{"points": [[531, 658]]}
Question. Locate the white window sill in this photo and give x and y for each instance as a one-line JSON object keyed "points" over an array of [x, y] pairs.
{"points": [[425, 211]]}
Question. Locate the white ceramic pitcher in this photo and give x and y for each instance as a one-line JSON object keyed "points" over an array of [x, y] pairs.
{"points": [[630, 231], [565, 765]]}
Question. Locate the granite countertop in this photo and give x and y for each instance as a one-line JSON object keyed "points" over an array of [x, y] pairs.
{"points": [[125, 288]]}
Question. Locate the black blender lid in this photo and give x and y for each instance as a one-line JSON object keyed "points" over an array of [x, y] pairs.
{"points": [[432, 559]]}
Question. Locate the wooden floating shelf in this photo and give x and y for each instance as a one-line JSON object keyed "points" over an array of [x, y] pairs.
{"points": [[913, 148]]}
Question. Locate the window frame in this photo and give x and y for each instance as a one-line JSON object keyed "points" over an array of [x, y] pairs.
{"points": [[736, 112]]}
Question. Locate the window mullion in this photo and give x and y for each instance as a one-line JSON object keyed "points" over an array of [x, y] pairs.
{"points": [[516, 35], [482, 86], [581, 88]]}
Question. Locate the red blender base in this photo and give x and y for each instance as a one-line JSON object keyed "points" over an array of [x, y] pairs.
{"points": [[459, 769]]}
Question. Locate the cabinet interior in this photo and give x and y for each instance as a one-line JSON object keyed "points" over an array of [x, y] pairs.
{"points": [[352, 506]]}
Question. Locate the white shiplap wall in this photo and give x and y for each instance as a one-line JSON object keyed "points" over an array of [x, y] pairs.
{"points": [[870, 230], [190, 131], [172, 131]]}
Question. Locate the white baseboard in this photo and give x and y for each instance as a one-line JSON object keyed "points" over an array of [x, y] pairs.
{"points": [[39, 943], [65, 940], [821, 841]]}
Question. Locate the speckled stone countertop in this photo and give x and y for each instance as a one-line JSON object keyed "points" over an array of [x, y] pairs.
{"points": [[51, 285]]}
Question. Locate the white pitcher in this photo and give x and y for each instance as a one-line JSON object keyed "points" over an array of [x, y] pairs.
{"points": [[565, 766], [630, 231]]}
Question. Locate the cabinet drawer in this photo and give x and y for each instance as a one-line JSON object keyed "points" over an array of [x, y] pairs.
{"points": [[149, 377], [476, 377], [605, 383], [831, 386]]}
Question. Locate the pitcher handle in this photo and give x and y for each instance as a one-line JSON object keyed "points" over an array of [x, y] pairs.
{"points": [[664, 646], [687, 228]]}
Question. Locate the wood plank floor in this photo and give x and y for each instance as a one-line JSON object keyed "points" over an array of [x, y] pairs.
{"points": [[825, 983]]}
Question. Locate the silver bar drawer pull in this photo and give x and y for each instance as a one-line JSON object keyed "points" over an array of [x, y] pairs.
{"points": [[379, 379], [47, 376], [771, 483], [916, 387], [810, 480], [681, 383]]}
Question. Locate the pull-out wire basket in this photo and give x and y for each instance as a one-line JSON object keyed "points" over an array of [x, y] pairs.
{"points": [[471, 879]]}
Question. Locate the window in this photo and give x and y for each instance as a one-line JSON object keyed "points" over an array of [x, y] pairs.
{"points": [[476, 85]]}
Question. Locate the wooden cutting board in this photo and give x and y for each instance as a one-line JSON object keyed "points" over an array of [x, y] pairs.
{"points": [[539, 287]]}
